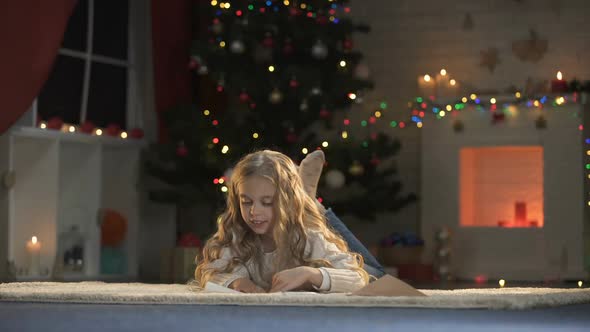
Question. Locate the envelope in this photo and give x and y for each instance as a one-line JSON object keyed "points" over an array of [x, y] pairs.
{"points": [[388, 286]]}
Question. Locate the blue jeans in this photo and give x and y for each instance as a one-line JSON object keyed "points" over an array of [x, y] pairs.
{"points": [[372, 266]]}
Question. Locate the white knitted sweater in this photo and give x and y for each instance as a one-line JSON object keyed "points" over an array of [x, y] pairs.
{"points": [[342, 277]]}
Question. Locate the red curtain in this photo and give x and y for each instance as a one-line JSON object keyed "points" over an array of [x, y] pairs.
{"points": [[31, 32], [171, 38]]}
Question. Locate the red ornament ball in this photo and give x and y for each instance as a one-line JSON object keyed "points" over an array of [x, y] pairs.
{"points": [[181, 151], [87, 127], [113, 228], [293, 83], [288, 48], [324, 113], [294, 11], [244, 97], [252, 105], [347, 44], [113, 130], [193, 64], [291, 138], [322, 20], [268, 42], [55, 123]]}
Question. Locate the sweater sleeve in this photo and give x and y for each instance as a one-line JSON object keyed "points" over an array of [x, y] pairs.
{"points": [[225, 279], [343, 277]]}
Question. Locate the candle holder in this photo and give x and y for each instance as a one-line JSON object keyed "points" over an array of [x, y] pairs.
{"points": [[70, 260]]}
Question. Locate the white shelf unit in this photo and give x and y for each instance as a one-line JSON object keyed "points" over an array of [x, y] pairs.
{"points": [[62, 180]]}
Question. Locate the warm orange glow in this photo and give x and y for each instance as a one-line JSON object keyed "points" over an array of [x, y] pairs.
{"points": [[501, 186]]}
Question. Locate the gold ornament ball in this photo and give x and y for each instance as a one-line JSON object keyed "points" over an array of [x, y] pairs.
{"points": [[275, 96], [356, 168]]}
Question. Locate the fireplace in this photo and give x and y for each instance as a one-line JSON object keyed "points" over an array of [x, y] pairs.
{"points": [[501, 186], [511, 192]]}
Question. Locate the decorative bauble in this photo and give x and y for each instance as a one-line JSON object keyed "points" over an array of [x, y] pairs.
{"points": [[262, 54], [497, 117], [203, 70], [356, 168], [87, 127], [244, 97], [319, 50], [55, 123], [541, 122], [237, 47], [443, 252], [193, 63], [361, 71], [304, 106], [375, 161], [293, 83], [113, 227], [316, 91], [288, 47], [321, 19], [136, 133], [181, 150], [575, 86], [347, 44], [291, 137], [268, 41], [324, 113], [217, 27], [293, 11], [220, 85], [113, 130], [458, 126], [252, 105], [335, 179], [443, 234], [275, 96]]}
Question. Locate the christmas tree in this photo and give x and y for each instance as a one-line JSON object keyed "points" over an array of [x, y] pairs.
{"points": [[279, 75]]}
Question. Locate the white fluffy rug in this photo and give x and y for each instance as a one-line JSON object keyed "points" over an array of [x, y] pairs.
{"points": [[138, 293]]}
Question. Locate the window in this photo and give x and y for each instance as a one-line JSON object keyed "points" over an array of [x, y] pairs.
{"points": [[90, 78]]}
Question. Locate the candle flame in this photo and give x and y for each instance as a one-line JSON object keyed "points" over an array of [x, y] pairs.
{"points": [[559, 76], [34, 239]]}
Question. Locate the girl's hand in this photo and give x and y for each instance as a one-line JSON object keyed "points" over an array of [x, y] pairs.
{"points": [[299, 278], [245, 285]]}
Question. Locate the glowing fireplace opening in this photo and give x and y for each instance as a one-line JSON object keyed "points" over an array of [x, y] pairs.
{"points": [[501, 186]]}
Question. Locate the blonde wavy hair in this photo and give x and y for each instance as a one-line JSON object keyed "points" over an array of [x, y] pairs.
{"points": [[295, 213]]}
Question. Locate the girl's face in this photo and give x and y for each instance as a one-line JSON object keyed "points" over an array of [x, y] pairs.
{"points": [[256, 196]]}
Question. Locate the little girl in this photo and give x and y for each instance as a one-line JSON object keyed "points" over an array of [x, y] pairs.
{"points": [[274, 236]]}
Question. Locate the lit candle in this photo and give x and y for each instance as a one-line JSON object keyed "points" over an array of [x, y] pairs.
{"points": [[34, 253], [558, 85], [442, 84], [426, 86]]}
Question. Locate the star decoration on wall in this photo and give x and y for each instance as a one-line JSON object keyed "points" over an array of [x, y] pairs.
{"points": [[532, 49], [490, 59]]}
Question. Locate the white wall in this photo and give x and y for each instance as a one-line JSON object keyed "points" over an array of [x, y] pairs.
{"points": [[556, 250], [411, 38]]}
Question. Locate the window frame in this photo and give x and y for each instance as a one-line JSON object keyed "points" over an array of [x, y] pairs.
{"points": [[133, 118]]}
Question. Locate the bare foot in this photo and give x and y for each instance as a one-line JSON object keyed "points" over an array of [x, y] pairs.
{"points": [[310, 171]]}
